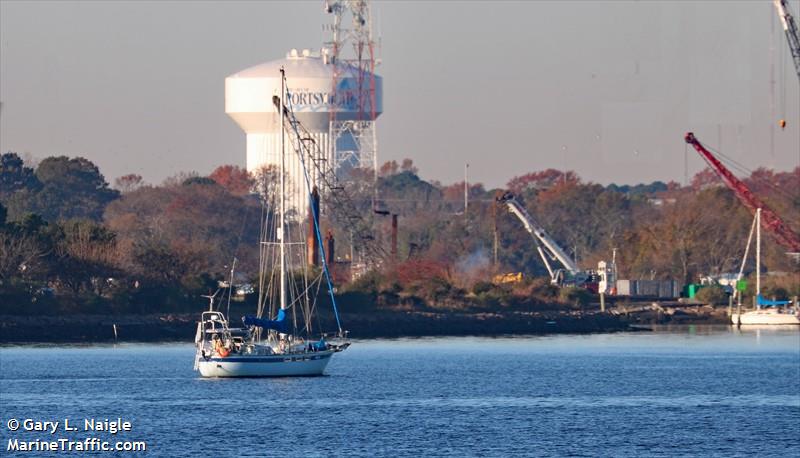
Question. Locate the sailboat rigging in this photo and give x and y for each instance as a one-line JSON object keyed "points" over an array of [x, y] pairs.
{"points": [[766, 312], [272, 342]]}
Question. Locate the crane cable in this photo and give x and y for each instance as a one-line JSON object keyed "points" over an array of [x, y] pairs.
{"points": [[748, 173]]}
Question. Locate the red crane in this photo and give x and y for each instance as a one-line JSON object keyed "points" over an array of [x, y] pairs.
{"points": [[769, 220]]}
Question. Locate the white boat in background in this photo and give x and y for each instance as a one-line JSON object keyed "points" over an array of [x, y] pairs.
{"points": [[285, 345], [767, 312], [771, 316]]}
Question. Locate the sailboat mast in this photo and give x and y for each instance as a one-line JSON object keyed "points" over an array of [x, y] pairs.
{"points": [[758, 253], [281, 229], [736, 292]]}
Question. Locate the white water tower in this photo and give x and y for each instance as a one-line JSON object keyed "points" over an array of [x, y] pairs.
{"points": [[310, 79]]}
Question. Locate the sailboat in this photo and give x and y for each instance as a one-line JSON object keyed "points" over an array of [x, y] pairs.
{"points": [[278, 340], [767, 312]]}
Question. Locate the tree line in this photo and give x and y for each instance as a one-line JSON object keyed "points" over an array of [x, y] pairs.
{"points": [[71, 241], [656, 231]]}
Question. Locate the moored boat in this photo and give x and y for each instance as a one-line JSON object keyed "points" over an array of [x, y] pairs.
{"points": [[767, 316], [766, 312], [232, 352], [286, 344]]}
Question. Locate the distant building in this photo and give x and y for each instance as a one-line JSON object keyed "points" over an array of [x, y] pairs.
{"points": [[658, 202]]}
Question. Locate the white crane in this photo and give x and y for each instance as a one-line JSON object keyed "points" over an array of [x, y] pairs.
{"points": [[792, 34], [547, 247]]}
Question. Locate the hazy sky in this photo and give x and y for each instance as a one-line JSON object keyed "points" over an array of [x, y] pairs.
{"points": [[604, 88]]}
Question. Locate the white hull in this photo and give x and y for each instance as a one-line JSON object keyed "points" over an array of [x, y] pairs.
{"points": [[765, 316], [287, 365]]}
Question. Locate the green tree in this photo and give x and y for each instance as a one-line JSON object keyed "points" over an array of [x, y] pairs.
{"points": [[71, 188], [712, 294], [575, 296], [15, 176], [203, 181]]}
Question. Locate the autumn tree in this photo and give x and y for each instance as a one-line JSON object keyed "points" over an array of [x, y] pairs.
{"points": [[87, 256], [388, 168], [704, 179], [541, 180], [178, 233], [235, 180], [455, 192], [407, 165], [569, 211], [25, 249], [701, 232], [128, 183], [20, 255]]}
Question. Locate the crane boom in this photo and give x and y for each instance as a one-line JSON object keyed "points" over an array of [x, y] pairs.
{"points": [[790, 28], [769, 219], [539, 234]]}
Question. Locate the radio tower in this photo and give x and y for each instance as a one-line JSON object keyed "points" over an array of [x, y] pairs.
{"points": [[352, 50]]}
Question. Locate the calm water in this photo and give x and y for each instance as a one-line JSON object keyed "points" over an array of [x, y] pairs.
{"points": [[672, 393]]}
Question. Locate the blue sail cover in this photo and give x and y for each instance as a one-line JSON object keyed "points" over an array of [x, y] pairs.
{"points": [[768, 303], [321, 345], [279, 324]]}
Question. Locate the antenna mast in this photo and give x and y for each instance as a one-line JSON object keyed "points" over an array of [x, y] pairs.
{"points": [[352, 50]]}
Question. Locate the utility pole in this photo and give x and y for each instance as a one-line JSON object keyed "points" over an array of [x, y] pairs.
{"points": [[466, 194]]}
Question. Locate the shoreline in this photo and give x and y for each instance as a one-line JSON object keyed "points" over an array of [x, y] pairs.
{"points": [[181, 327]]}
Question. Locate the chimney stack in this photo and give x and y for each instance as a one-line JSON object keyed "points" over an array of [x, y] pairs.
{"points": [[312, 242]]}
